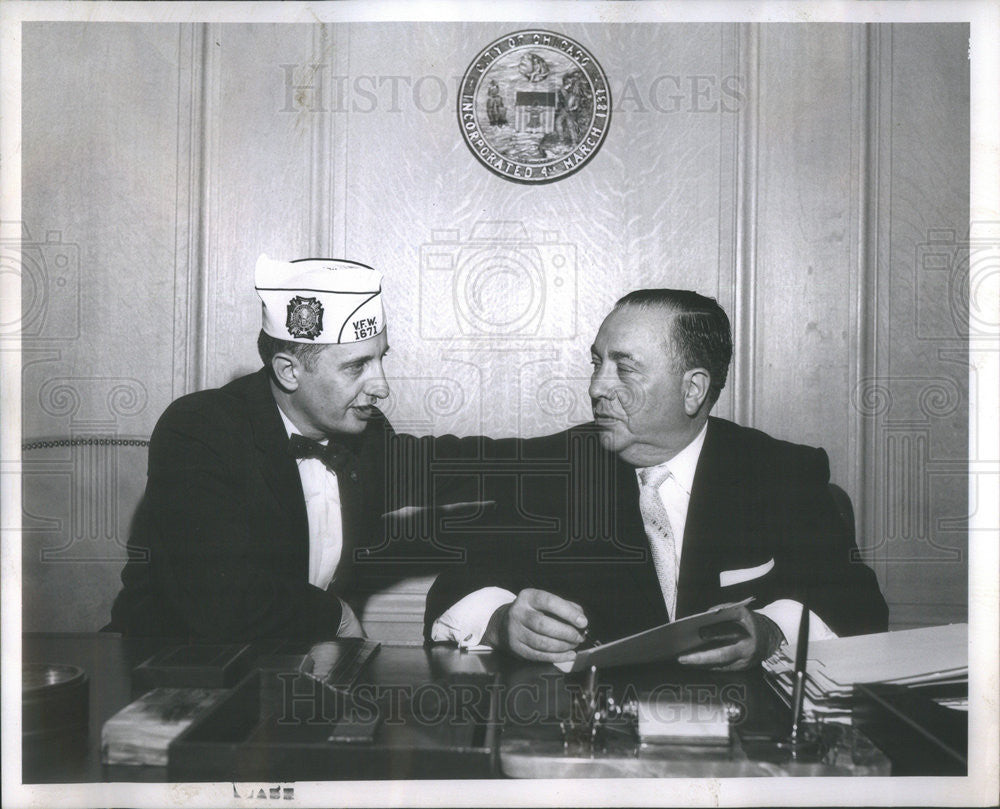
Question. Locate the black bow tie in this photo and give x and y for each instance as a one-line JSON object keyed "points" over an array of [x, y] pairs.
{"points": [[336, 456]]}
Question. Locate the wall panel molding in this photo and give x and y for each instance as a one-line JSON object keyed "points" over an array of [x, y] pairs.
{"points": [[912, 366], [209, 243], [865, 306], [745, 270], [321, 175], [335, 154], [729, 161], [189, 324], [879, 256]]}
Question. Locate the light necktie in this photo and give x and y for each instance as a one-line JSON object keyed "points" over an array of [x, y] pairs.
{"points": [[658, 531]]}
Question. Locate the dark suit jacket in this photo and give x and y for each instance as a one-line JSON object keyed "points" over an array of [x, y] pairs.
{"points": [[222, 530], [576, 530]]}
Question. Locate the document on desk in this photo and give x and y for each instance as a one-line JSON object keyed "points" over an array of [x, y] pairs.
{"points": [[904, 657], [935, 655], [706, 630]]}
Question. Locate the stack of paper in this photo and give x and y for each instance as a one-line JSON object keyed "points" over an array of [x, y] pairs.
{"points": [[933, 656]]}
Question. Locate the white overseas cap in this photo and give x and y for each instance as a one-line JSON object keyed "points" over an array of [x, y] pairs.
{"points": [[320, 300]]}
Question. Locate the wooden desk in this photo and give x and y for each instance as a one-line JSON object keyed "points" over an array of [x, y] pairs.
{"points": [[530, 699], [417, 741]]}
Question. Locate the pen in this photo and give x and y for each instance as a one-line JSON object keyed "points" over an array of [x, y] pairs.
{"points": [[801, 652]]}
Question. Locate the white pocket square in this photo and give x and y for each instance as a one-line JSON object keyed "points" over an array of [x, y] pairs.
{"points": [[727, 578]]}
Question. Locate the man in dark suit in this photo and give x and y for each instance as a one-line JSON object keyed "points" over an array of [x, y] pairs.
{"points": [[262, 494], [656, 511]]}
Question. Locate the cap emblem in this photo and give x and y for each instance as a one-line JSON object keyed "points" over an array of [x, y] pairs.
{"points": [[305, 317]]}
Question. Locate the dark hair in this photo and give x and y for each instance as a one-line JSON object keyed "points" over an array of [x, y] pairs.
{"points": [[268, 346], [699, 336]]}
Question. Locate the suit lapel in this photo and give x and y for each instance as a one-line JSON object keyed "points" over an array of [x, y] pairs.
{"points": [[352, 510], [712, 526], [361, 483], [277, 467]]}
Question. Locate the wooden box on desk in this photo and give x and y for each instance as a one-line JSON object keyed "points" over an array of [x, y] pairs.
{"points": [[193, 666], [257, 733]]}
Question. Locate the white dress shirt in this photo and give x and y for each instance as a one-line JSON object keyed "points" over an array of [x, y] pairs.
{"points": [[326, 530], [465, 621]]}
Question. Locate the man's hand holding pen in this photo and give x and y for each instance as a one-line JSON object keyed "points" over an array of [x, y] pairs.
{"points": [[538, 625], [541, 626]]}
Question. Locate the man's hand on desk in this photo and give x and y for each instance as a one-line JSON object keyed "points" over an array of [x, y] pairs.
{"points": [[763, 639], [537, 626]]}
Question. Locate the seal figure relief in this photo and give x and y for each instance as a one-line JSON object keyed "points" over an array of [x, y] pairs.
{"points": [[534, 106]]}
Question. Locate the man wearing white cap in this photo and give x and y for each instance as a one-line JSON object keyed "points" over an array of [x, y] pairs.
{"points": [[261, 492]]}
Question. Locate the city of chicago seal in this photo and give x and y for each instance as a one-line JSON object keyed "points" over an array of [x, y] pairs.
{"points": [[534, 106]]}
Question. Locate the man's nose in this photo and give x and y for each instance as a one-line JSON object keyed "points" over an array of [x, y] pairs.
{"points": [[600, 385], [377, 386]]}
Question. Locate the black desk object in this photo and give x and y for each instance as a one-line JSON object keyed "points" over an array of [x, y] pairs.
{"points": [[194, 666], [54, 711], [919, 736]]}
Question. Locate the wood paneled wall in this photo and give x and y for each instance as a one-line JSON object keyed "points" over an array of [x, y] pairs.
{"points": [[812, 177]]}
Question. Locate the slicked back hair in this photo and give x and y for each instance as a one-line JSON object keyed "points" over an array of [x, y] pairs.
{"points": [[699, 333], [268, 346]]}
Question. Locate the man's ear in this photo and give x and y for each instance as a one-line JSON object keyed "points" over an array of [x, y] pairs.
{"points": [[696, 384], [286, 369]]}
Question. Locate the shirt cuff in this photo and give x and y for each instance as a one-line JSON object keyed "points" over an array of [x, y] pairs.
{"points": [[350, 626], [465, 622], [787, 613]]}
